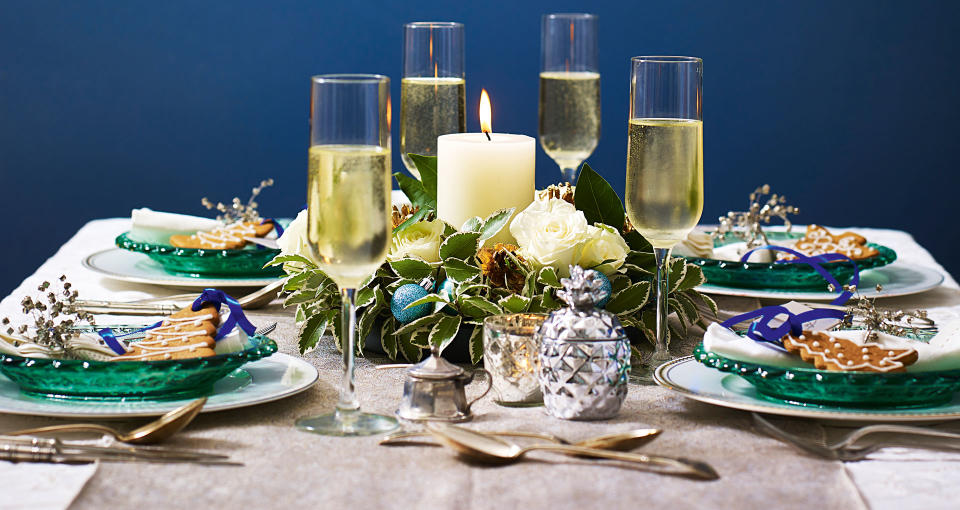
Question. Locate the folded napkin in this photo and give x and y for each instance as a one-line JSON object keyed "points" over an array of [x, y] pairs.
{"points": [[42, 486], [157, 227]]}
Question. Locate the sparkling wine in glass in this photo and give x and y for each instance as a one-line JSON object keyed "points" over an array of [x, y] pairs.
{"points": [[433, 89], [348, 210], [664, 189], [569, 90]]}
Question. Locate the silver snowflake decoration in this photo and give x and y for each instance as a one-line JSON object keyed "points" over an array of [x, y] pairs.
{"points": [[237, 210], [748, 225], [865, 314]]}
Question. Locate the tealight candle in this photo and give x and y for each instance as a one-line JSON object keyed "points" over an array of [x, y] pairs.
{"points": [[481, 173]]}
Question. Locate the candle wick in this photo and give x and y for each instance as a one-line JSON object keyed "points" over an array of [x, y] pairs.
{"points": [[488, 135]]}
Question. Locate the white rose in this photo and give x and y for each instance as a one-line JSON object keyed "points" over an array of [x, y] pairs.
{"points": [[604, 243], [419, 240], [550, 233], [294, 239]]}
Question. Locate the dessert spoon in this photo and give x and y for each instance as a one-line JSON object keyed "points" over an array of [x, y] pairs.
{"points": [[493, 450], [153, 432], [618, 441]]}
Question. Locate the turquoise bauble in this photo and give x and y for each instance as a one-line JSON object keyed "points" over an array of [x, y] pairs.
{"points": [[405, 295], [446, 289], [607, 288]]}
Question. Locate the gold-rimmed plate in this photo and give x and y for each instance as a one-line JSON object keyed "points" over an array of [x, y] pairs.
{"points": [[698, 382]]}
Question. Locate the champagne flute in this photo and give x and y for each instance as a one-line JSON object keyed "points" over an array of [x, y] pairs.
{"points": [[433, 89], [665, 163], [569, 90], [348, 210]]}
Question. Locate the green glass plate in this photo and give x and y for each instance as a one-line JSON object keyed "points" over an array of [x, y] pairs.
{"points": [[247, 261], [768, 275], [128, 380], [866, 390]]}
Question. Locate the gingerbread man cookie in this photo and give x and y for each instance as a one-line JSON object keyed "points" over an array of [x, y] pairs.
{"points": [[830, 353], [229, 237], [818, 241]]}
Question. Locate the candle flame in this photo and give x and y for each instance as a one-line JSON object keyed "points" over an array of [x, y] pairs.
{"points": [[485, 114]]}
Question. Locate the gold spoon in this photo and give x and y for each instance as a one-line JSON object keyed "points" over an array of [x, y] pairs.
{"points": [[153, 432], [617, 441], [493, 450]]}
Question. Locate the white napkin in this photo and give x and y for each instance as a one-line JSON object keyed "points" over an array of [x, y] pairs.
{"points": [[157, 227], [42, 486]]}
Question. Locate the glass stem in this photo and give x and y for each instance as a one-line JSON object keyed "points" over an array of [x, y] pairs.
{"points": [[569, 175], [662, 352], [348, 396]]}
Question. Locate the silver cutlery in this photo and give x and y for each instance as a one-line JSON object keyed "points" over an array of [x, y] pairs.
{"points": [[171, 304], [847, 449], [491, 449], [34, 449]]}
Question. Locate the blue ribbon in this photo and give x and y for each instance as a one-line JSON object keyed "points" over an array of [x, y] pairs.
{"points": [[110, 338], [236, 318], [275, 223], [771, 336]]}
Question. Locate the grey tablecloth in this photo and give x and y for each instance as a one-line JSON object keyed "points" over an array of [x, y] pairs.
{"points": [[286, 468]]}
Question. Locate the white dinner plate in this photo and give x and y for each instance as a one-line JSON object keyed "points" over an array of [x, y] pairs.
{"points": [[896, 279], [273, 378], [699, 382], [134, 267]]}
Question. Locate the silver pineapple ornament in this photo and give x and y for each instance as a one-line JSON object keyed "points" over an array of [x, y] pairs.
{"points": [[584, 353]]}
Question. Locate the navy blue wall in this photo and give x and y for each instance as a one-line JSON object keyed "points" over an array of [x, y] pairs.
{"points": [[847, 106]]}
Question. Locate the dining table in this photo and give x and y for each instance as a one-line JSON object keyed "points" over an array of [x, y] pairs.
{"points": [[284, 467]]}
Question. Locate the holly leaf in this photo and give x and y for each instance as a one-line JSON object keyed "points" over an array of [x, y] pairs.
{"points": [[597, 199], [444, 331], [461, 245], [478, 307], [313, 330], [630, 299], [678, 270], [459, 271], [296, 281], [548, 276], [495, 223], [300, 297], [472, 225], [388, 340], [514, 303], [365, 296], [283, 259], [427, 167], [410, 351], [429, 298], [411, 268], [707, 300], [691, 279], [412, 326], [476, 345]]}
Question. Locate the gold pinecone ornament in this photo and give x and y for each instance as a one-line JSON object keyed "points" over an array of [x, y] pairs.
{"points": [[502, 266]]}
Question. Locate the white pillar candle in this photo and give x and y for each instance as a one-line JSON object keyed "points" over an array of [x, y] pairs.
{"points": [[476, 177]]}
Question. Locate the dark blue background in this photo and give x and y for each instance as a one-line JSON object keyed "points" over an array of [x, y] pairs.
{"points": [[848, 107]]}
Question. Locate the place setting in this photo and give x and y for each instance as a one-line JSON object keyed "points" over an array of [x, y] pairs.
{"points": [[475, 324]]}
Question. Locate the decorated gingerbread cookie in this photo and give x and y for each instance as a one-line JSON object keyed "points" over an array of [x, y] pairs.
{"points": [[229, 237], [831, 353], [184, 334], [818, 241]]}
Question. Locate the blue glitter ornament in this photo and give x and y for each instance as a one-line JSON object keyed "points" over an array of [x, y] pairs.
{"points": [[607, 288], [405, 295]]}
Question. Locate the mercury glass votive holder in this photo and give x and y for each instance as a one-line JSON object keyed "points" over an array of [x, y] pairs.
{"points": [[511, 355]]}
